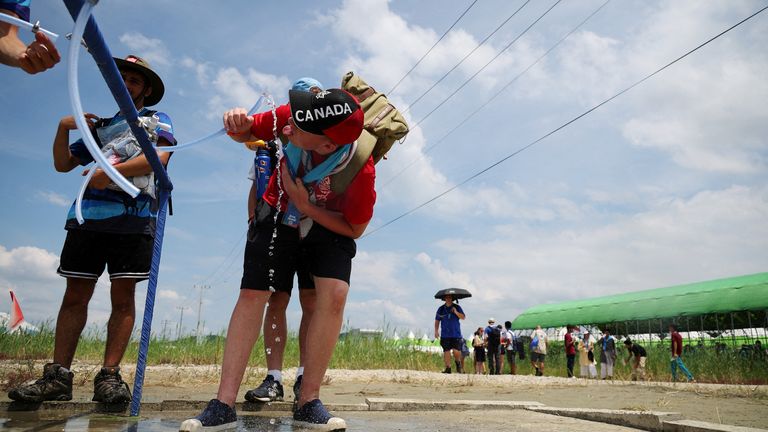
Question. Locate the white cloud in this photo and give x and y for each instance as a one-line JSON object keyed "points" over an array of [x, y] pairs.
{"points": [[713, 234], [706, 112], [202, 70], [152, 50], [235, 88], [168, 294], [54, 198], [28, 263]]}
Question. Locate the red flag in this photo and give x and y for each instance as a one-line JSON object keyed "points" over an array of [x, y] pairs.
{"points": [[17, 317]]}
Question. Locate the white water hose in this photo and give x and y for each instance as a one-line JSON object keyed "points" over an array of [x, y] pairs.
{"points": [[77, 108], [219, 132], [34, 28]]}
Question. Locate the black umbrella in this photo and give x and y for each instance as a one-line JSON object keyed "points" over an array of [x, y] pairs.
{"points": [[457, 293]]}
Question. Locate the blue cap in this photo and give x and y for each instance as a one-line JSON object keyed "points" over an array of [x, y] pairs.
{"points": [[306, 83]]}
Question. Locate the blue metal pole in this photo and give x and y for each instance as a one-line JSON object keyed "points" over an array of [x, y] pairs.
{"points": [[101, 54], [149, 306]]}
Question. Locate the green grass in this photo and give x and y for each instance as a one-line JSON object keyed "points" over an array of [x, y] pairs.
{"points": [[707, 364]]}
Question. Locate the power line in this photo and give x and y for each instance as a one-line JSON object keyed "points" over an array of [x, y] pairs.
{"points": [[566, 124], [487, 64], [495, 95], [432, 47], [465, 57]]}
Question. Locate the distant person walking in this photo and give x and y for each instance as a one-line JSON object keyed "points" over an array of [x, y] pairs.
{"points": [[607, 343], [677, 352], [509, 339], [492, 336], [478, 343], [538, 350], [638, 356], [587, 356], [570, 350], [447, 319]]}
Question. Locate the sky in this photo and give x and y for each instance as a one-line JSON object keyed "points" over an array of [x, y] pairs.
{"points": [[664, 185]]}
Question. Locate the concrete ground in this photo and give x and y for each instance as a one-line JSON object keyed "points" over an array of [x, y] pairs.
{"points": [[426, 401]]}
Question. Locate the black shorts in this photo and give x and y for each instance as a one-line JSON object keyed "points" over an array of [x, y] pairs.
{"points": [[271, 265], [86, 253], [480, 354], [450, 344], [537, 357]]}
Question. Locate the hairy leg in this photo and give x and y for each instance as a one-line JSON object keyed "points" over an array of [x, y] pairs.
{"points": [[242, 333], [120, 325], [71, 320]]}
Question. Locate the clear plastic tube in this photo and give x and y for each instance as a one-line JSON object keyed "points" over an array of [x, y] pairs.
{"points": [[219, 132], [77, 109], [79, 201], [20, 23]]}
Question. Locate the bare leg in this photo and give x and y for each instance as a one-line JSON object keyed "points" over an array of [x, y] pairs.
{"points": [[322, 334], [73, 315], [121, 320], [275, 330], [241, 335], [308, 299], [447, 359]]}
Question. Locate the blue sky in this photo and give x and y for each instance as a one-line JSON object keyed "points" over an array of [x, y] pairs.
{"points": [[665, 185]]}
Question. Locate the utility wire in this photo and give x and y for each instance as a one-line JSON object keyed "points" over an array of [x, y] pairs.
{"points": [[487, 64], [496, 95], [465, 57], [433, 47], [564, 125]]}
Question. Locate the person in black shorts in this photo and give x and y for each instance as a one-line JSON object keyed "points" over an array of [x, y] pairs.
{"points": [[300, 227], [447, 319], [478, 343], [117, 234]]}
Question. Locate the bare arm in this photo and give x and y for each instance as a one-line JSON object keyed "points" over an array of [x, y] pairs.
{"points": [[63, 160], [137, 166], [459, 314], [40, 55], [331, 220], [437, 329], [238, 123]]}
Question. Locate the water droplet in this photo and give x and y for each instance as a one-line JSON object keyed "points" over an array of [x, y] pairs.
{"points": [[269, 351], [271, 254], [277, 339], [274, 326], [271, 421], [271, 289]]}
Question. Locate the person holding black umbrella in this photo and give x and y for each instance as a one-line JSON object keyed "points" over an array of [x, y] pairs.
{"points": [[447, 319]]}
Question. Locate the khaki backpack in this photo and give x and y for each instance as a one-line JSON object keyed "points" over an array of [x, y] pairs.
{"points": [[383, 126]]}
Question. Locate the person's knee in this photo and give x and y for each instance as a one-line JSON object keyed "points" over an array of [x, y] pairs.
{"points": [[278, 302], [308, 300], [78, 293]]}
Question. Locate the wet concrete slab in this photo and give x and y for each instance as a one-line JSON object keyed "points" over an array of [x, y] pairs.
{"points": [[452, 421]]}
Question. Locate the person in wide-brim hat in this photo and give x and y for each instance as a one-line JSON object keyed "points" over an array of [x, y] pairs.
{"points": [[138, 64]]}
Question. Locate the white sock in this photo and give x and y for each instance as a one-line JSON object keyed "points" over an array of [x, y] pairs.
{"points": [[276, 374], [299, 372]]}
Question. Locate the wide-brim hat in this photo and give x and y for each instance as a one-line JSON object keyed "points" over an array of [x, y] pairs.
{"points": [[334, 113], [141, 66]]}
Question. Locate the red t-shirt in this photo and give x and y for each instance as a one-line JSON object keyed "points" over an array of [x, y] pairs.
{"points": [[676, 343], [570, 348], [356, 203]]}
